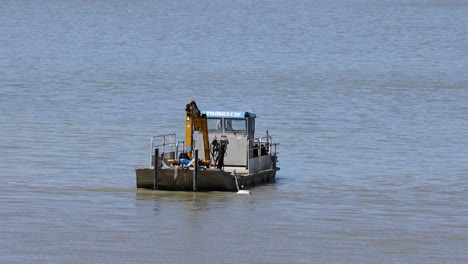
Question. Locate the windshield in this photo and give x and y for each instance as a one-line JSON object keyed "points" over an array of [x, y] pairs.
{"points": [[234, 125], [214, 124]]}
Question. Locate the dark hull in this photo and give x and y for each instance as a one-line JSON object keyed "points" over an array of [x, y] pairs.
{"points": [[181, 179]]}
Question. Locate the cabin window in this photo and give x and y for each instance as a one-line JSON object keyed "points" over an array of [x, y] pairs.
{"points": [[234, 125], [214, 124]]}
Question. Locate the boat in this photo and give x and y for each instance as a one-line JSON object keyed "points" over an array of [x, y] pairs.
{"points": [[223, 155]]}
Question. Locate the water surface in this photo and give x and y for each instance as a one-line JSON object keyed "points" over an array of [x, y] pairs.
{"points": [[368, 100]]}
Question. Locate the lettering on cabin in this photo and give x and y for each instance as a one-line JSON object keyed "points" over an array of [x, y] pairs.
{"points": [[224, 114]]}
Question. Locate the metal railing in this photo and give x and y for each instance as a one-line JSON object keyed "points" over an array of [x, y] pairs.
{"points": [[259, 147], [179, 149], [165, 142]]}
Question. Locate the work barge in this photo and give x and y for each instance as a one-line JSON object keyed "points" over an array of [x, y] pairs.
{"points": [[220, 153]]}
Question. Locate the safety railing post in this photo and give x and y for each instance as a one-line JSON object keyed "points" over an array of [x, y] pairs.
{"points": [[195, 171], [155, 180]]}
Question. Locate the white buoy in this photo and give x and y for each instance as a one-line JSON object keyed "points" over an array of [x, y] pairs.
{"points": [[244, 192], [239, 191]]}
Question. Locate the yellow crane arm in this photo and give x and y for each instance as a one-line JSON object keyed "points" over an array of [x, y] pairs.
{"points": [[196, 121]]}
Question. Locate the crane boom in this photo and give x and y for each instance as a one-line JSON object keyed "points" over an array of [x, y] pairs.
{"points": [[196, 121]]}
